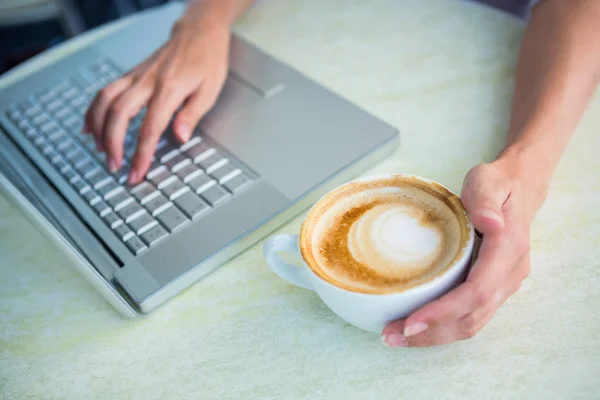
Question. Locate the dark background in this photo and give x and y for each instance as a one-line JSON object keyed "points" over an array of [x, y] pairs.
{"points": [[20, 41]]}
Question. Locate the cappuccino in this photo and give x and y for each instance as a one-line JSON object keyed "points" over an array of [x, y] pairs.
{"points": [[386, 235]]}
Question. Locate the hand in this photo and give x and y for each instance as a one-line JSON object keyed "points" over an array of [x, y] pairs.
{"points": [[501, 207], [188, 71]]}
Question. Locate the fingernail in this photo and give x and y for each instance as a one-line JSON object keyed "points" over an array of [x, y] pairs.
{"points": [[394, 340], [133, 177], [184, 131], [112, 165], [413, 329], [490, 214]]}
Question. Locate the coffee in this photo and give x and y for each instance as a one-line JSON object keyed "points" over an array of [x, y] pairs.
{"points": [[386, 235]]}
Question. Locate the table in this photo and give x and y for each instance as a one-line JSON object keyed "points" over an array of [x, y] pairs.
{"points": [[442, 72]]}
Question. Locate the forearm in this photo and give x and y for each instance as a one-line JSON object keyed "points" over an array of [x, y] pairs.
{"points": [[222, 13], [558, 72]]}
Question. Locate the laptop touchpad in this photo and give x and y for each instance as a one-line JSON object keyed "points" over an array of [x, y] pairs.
{"points": [[234, 97]]}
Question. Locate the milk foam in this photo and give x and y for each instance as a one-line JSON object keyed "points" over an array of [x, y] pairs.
{"points": [[385, 238], [393, 232]]}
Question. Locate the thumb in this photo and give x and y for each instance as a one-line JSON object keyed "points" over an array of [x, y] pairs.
{"points": [[483, 195]]}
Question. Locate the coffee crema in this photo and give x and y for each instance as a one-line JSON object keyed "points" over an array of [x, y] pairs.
{"points": [[384, 235]]}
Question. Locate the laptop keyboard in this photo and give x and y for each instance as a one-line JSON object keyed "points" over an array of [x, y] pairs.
{"points": [[183, 183]]}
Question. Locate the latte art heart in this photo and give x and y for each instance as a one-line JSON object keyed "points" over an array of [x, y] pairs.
{"points": [[384, 236], [392, 234]]}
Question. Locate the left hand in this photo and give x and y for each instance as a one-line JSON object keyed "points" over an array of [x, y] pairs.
{"points": [[501, 207]]}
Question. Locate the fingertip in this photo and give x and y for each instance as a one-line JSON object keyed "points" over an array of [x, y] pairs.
{"points": [[183, 131], [414, 328], [394, 327], [487, 220]]}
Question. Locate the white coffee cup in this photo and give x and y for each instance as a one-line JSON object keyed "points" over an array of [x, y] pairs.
{"points": [[370, 312]]}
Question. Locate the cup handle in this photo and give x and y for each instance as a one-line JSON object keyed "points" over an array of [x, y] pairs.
{"points": [[292, 273]]}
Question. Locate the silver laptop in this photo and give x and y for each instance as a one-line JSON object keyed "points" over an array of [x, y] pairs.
{"points": [[274, 142]]}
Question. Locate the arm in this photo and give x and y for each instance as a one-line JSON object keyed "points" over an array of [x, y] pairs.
{"points": [[222, 12], [558, 71], [188, 71]]}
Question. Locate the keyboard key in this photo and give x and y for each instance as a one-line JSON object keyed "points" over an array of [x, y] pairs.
{"points": [[190, 143], [70, 175], [58, 137], [54, 106], [213, 162], [176, 163], [188, 173], [165, 154], [160, 177], [157, 205], [142, 223], [225, 173], [31, 110], [79, 185], [154, 235], [60, 165], [214, 195], [201, 183], [119, 200], [199, 152], [78, 158], [121, 175], [100, 182], [40, 120], [131, 211], [192, 205], [172, 219], [101, 208], [67, 147], [91, 197], [237, 183], [112, 220], [50, 154], [135, 245], [154, 169], [123, 232], [144, 192], [174, 189], [109, 190], [40, 142], [87, 168]]}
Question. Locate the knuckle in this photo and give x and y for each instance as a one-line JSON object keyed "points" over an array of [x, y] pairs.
{"points": [[107, 92], [470, 327], [470, 333], [523, 246], [481, 295], [524, 271], [167, 82], [117, 108]]}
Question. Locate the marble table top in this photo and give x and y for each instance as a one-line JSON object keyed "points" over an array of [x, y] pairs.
{"points": [[442, 72]]}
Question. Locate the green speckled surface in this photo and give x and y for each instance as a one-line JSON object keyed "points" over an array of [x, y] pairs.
{"points": [[441, 71]]}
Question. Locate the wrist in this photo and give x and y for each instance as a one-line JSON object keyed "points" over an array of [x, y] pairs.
{"points": [[199, 17]]}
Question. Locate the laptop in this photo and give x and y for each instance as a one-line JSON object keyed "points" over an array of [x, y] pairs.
{"points": [[271, 146]]}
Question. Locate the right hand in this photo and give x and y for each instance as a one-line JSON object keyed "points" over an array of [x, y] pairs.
{"points": [[188, 71]]}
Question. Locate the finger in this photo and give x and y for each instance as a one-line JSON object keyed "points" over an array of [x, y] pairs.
{"points": [[119, 114], [465, 328], [483, 196], [487, 276], [196, 106], [96, 113], [160, 110]]}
